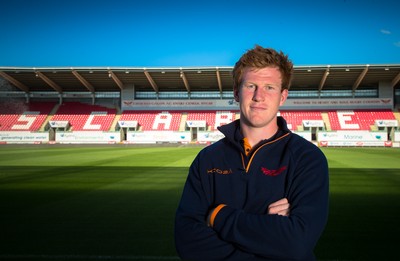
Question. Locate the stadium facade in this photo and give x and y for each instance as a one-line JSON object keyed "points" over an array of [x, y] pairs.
{"points": [[341, 105]]}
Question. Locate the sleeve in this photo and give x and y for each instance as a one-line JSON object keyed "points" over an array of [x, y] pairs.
{"points": [[280, 237], [194, 239]]}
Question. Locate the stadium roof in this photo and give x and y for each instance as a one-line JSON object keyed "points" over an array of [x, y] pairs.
{"points": [[109, 79]]}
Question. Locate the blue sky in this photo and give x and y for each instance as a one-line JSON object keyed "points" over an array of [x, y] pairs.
{"points": [[151, 33]]}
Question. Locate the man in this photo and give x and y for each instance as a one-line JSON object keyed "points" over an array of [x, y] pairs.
{"points": [[260, 193]]}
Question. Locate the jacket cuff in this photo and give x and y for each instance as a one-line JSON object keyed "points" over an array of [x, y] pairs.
{"points": [[221, 217], [214, 213]]}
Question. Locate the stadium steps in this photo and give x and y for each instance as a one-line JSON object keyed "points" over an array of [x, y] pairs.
{"points": [[116, 118], [183, 121], [373, 128], [237, 115], [325, 118], [48, 118], [115, 121], [397, 115]]}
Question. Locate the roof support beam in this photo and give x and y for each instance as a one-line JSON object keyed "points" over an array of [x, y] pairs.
{"points": [[395, 80], [185, 81], [150, 79], [14, 82], [49, 81], [323, 80], [219, 80], [112, 75], [360, 78], [83, 81]]}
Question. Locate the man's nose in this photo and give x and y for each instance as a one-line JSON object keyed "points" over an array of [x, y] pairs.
{"points": [[258, 95]]}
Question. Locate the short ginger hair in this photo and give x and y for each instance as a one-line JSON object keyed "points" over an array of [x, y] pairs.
{"points": [[260, 57]]}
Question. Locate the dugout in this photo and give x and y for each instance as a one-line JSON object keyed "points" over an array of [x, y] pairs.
{"points": [[53, 126], [388, 126], [124, 126], [194, 127], [313, 126]]}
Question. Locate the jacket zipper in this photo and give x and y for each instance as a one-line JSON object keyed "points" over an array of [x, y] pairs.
{"points": [[252, 156]]}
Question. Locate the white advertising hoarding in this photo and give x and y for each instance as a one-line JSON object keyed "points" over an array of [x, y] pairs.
{"points": [[304, 134], [313, 123], [356, 143], [386, 123], [352, 136], [59, 124], [208, 136], [128, 124], [196, 124], [213, 136], [397, 136], [88, 137], [157, 136], [23, 137]]}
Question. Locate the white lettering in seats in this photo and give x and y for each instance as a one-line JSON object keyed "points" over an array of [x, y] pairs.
{"points": [[223, 117], [162, 118], [344, 117], [28, 117], [88, 124]]}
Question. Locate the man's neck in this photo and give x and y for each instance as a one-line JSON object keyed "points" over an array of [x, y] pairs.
{"points": [[255, 135]]}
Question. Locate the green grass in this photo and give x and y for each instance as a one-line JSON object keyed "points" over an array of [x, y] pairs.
{"points": [[364, 205], [118, 202]]}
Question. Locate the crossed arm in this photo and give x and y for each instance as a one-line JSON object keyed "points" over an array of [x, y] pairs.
{"points": [[280, 207], [287, 230], [223, 250]]}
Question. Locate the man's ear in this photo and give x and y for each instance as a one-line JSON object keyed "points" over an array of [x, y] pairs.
{"points": [[284, 96]]}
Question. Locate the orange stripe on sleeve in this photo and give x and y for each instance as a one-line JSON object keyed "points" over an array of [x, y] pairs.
{"points": [[214, 213]]}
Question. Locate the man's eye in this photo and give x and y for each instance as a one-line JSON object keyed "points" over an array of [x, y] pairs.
{"points": [[250, 86], [271, 88]]}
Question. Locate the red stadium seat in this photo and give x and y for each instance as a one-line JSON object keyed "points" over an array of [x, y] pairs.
{"points": [[85, 117], [154, 120], [213, 119], [357, 119], [24, 116], [295, 118]]}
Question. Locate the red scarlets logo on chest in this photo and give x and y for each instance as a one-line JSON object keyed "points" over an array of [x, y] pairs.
{"points": [[273, 172]]}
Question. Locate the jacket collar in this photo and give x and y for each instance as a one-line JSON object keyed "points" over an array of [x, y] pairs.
{"points": [[233, 134]]}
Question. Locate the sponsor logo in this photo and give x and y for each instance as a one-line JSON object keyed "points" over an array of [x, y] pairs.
{"points": [[128, 102], [323, 143], [219, 171], [388, 144], [273, 172]]}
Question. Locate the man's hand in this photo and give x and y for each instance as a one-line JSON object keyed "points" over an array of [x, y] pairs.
{"points": [[280, 207]]}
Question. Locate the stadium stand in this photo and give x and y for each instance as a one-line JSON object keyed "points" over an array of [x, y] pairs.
{"points": [[37, 105], [81, 117], [85, 117], [154, 120], [24, 117], [213, 119], [337, 119], [357, 119], [295, 119]]}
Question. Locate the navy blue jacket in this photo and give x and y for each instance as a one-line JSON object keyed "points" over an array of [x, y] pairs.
{"points": [[285, 166]]}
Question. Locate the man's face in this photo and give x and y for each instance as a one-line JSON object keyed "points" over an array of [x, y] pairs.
{"points": [[260, 96]]}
